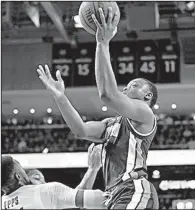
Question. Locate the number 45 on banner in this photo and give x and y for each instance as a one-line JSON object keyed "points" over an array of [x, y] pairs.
{"points": [[148, 67]]}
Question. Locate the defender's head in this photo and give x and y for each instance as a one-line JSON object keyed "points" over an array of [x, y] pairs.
{"points": [[142, 89], [35, 176], [13, 175]]}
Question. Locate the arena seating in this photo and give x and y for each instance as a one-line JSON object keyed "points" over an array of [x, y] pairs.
{"points": [[30, 137]]}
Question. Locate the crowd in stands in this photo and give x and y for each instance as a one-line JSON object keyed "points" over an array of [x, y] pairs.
{"points": [[42, 140], [35, 137], [175, 132]]}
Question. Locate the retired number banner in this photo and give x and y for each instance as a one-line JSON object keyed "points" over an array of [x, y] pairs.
{"points": [[62, 60], [84, 65]]}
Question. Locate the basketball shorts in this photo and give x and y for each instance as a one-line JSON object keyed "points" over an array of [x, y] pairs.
{"points": [[133, 194]]}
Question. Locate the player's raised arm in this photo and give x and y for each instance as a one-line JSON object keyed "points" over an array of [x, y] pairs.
{"points": [[94, 164], [90, 131], [134, 109]]}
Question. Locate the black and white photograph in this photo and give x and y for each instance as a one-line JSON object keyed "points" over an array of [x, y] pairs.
{"points": [[98, 105]]}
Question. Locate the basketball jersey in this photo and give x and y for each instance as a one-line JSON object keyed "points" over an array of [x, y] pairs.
{"points": [[125, 150], [44, 196]]}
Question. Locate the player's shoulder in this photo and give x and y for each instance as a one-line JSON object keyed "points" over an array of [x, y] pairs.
{"points": [[50, 185], [147, 110], [53, 186], [48, 188], [23, 190], [143, 108]]}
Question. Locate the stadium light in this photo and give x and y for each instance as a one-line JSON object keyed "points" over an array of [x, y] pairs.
{"points": [[49, 110], [104, 108], [49, 120], [156, 106], [156, 174], [32, 111], [15, 111], [173, 106]]}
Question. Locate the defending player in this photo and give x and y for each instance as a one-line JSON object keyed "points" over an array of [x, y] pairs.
{"points": [[126, 138], [35, 176], [20, 194], [94, 161]]}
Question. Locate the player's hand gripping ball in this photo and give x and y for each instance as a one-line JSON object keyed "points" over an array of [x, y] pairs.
{"points": [[88, 8]]}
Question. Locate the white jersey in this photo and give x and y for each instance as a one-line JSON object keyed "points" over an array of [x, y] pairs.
{"points": [[45, 196], [50, 196]]}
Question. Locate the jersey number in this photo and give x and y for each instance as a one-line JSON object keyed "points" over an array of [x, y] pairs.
{"points": [[170, 66], [148, 67], [64, 69], [125, 68], [83, 69]]}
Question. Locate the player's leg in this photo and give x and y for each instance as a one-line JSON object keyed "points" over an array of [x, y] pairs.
{"points": [[119, 206], [141, 194], [144, 197], [154, 197], [153, 202], [123, 196]]}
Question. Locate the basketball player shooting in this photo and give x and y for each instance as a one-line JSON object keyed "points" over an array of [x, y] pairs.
{"points": [[19, 193], [126, 138]]}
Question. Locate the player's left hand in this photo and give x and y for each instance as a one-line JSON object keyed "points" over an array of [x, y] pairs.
{"points": [[56, 88], [94, 156], [107, 30]]}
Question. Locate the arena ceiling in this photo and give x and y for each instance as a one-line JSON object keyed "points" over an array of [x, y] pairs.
{"points": [[17, 25], [16, 22]]}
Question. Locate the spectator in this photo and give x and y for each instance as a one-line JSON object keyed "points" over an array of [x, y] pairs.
{"points": [[191, 143], [187, 132], [22, 146], [173, 132]]}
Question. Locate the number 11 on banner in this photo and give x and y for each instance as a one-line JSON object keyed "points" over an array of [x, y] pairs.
{"points": [[169, 70], [169, 66]]}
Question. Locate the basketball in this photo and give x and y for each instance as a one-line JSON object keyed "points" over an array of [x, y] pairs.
{"points": [[88, 8]]}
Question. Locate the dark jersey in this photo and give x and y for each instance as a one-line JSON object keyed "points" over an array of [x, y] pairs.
{"points": [[125, 150]]}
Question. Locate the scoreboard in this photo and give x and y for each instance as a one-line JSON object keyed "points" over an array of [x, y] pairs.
{"points": [[155, 60]]}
